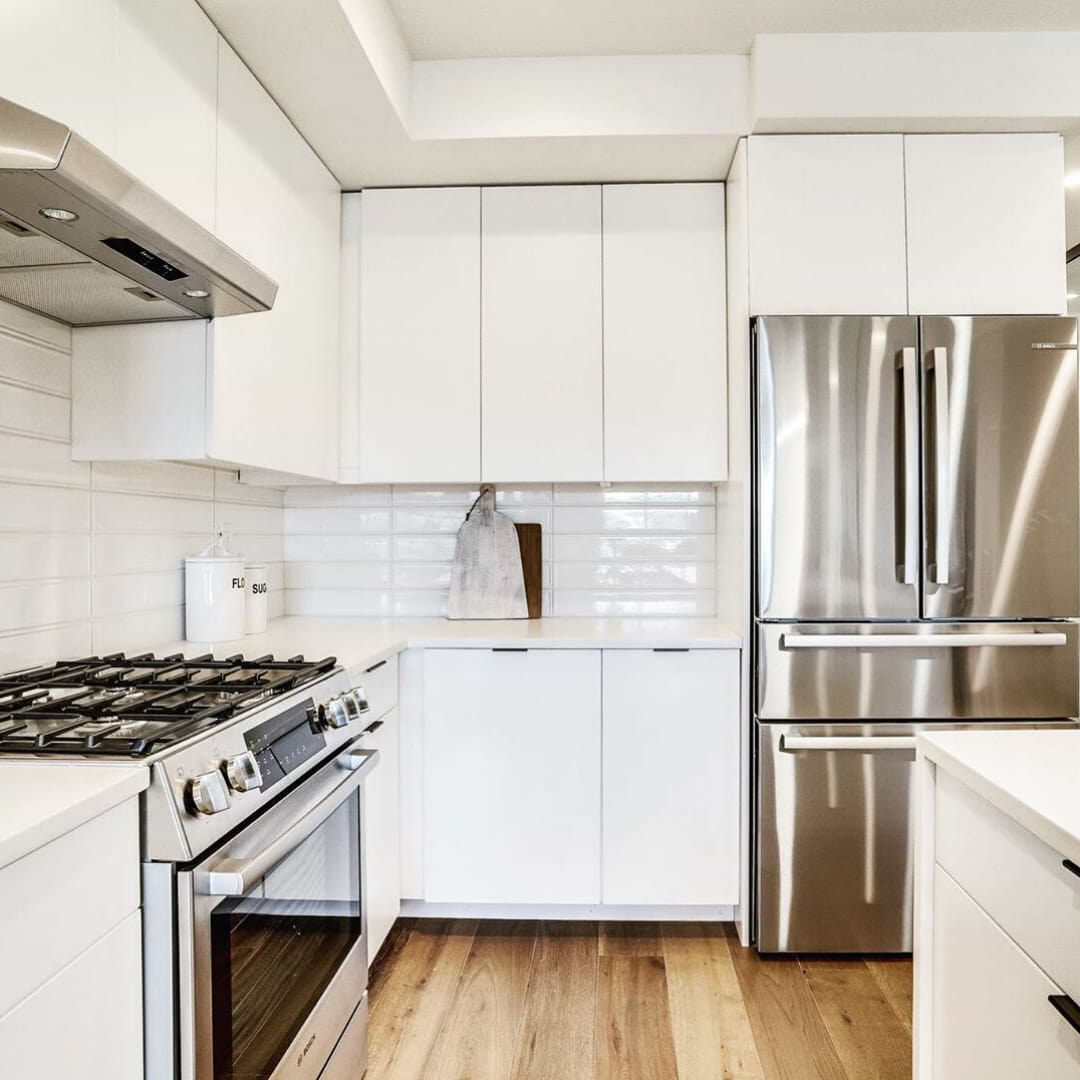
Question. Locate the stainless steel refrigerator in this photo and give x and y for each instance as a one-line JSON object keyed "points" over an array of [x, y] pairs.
{"points": [[917, 553]]}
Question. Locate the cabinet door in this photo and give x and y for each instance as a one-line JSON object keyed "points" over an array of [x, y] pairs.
{"points": [[671, 777], [419, 312], [274, 376], [86, 1021], [166, 117], [382, 832], [665, 369], [512, 776], [985, 224], [826, 225], [541, 346], [991, 1017]]}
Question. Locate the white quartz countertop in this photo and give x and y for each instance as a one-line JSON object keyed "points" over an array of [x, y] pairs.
{"points": [[1031, 775], [360, 642], [39, 802]]}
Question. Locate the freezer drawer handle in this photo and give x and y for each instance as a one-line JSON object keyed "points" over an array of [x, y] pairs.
{"points": [[790, 744], [1068, 1008], [921, 641]]}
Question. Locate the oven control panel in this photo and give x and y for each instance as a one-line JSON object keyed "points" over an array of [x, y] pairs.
{"points": [[282, 744]]}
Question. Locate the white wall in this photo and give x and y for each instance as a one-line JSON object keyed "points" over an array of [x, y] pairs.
{"points": [[623, 550], [91, 555]]}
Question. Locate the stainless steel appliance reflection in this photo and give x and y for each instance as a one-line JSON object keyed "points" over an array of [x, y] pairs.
{"points": [[917, 523]]}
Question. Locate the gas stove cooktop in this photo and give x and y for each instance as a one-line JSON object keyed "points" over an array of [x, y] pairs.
{"points": [[118, 706]]}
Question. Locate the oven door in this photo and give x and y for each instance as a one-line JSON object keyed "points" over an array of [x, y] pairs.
{"points": [[275, 949]]}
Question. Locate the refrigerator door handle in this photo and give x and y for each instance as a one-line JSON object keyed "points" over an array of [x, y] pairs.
{"points": [[1018, 639], [910, 379], [790, 744], [939, 364]]}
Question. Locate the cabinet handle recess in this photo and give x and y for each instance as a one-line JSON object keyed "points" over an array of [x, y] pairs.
{"points": [[374, 667], [372, 727], [1068, 1008], [509, 650], [1071, 866]]}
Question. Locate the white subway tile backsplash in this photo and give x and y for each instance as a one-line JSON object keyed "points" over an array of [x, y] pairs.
{"points": [[35, 361], [34, 412], [26, 507], [118, 553], [227, 488], [31, 647], [116, 512], [238, 519], [43, 603], [625, 549], [40, 461], [138, 630], [154, 478], [30, 556]]}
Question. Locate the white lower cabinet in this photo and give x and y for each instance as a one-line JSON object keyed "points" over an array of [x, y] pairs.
{"points": [[992, 1017], [382, 831], [671, 777], [86, 1021], [512, 776]]}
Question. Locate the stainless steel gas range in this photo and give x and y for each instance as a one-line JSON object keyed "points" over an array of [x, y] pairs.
{"points": [[255, 957]]}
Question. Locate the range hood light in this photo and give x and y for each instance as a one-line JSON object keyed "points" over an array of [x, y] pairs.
{"points": [[56, 213], [197, 294]]}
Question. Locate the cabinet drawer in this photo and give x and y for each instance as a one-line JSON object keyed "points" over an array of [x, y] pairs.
{"points": [[86, 1021], [991, 1016], [58, 900], [380, 683], [1018, 879]]}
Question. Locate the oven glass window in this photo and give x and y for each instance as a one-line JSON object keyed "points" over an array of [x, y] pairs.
{"points": [[276, 950]]}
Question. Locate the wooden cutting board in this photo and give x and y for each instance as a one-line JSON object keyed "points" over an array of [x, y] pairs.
{"points": [[530, 538]]}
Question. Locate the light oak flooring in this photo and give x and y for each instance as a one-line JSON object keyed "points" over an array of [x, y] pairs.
{"points": [[471, 1000]]}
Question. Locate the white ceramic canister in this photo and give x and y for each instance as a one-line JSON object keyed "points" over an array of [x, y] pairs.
{"points": [[255, 604], [214, 597]]}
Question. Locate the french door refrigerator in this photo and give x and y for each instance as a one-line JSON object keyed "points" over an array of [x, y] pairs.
{"points": [[917, 529]]}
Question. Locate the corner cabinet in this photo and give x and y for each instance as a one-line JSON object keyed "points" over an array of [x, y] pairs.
{"points": [[257, 391], [534, 334]]}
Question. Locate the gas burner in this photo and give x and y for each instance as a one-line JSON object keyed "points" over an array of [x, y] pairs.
{"points": [[120, 706]]}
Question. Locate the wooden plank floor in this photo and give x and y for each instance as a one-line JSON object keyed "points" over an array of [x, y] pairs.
{"points": [[468, 1000]]}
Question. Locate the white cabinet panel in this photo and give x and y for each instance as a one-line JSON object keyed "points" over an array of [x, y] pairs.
{"points": [[991, 1015], [512, 776], [671, 777], [382, 832], [985, 224], [274, 376], [665, 371], [166, 122], [58, 900], [542, 337], [60, 60], [87, 1020], [419, 312], [826, 225]]}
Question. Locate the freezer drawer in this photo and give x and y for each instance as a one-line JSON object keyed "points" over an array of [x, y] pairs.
{"points": [[1001, 513], [835, 839], [837, 467], [917, 671]]}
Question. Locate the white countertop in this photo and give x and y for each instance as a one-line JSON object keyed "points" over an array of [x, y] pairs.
{"points": [[1031, 775], [40, 801], [361, 642]]}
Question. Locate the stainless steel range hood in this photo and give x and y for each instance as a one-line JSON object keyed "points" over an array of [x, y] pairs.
{"points": [[85, 242]]}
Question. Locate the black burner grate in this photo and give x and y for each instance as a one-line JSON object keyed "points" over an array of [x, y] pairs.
{"points": [[131, 706]]}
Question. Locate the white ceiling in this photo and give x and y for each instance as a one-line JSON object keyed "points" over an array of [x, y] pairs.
{"points": [[454, 29]]}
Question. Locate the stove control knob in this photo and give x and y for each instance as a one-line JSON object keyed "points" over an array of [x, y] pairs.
{"points": [[335, 713], [243, 772], [208, 794], [358, 697]]}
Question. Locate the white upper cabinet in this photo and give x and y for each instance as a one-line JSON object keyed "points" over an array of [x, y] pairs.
{"points": [[542, 351], [826, 225], [665, 369], [60, 60], [257, 391], [166, 114], [985, 224], [275, 375], [418, 391]]}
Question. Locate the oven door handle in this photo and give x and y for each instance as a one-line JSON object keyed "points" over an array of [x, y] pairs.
{"points": [[234, 877]]}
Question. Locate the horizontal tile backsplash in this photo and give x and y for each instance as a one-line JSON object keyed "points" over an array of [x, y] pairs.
{"points": [[91, 556], [624, 549]]}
